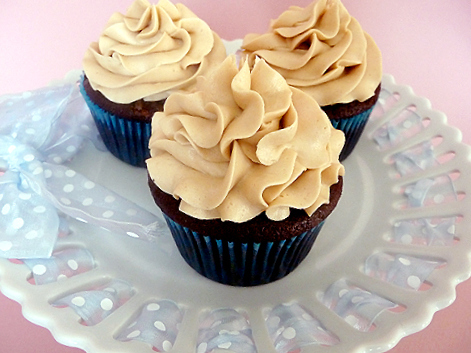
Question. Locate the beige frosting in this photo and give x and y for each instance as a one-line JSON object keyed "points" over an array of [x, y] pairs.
{"points": [[322, 50], [150, 51], [243, 143]]}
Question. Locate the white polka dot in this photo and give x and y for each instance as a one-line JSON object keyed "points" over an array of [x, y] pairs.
{"points": [[417, 194], [6, 209], [68, 188], [307, 317], [414, 282], [106, 304], [439, 198], [352, 320], [57, 159], [167, 345], [85, 128], [225, 345], [39, 270], [18, 223], [87, 202], [216, 323], [132, 234], [30, 131], [39, 209], [37, 170], [153, 307], [47, 173], [227, 332], [11, 148], [28, 158], [73, 264], [357, 299], [108, 214], [65, 201], [343, 292], [71, 149], [36, 117], [131, 212], [134, 334], [89, 185], [5, 245], [407, 239], [289, 333], [274, 321], [405, 262], [78, 301], [159, 325], [61, 277], [32, 234], [202, 347], [407, 124], [70, 173], [109, 198]]}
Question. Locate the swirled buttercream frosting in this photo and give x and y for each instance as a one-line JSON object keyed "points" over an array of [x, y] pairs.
{"points": [[151, 51], [244, 143], [321, 50]]}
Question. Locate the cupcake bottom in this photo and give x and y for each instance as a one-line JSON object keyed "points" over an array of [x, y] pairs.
{"points": [[127, 131], [351, 118], [239, 263], [246, 254], [353, 128]]}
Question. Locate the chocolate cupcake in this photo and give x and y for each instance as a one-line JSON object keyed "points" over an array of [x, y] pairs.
{"points": [[245, 170], [139, 59], [323, 51]]}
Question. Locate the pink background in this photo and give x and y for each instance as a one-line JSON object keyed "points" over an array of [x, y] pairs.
{"points": [[425, 44]]}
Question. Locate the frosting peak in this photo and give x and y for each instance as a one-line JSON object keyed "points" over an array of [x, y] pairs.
{"points": [[321, 50], [244, 143], [151, 50]]}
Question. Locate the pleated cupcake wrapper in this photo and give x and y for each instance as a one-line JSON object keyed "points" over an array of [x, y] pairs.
{"points": [[352, 128], [126, 139], [241, 263]]}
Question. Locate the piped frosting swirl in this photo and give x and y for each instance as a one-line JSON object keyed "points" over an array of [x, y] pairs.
{"points": [[244, 143], [151, 51], [321, 50]]}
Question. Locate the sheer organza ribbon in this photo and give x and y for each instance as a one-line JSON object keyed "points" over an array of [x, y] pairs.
{"points": [[39, 131]]}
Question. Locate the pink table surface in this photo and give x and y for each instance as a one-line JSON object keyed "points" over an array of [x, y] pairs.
{"points": [[425, 44]]}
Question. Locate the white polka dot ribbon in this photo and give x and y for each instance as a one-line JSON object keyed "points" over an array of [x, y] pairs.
{"points": [[158, 325], [94, 305], [292, 327], [356, 306], [225, 329], [38, 131]]}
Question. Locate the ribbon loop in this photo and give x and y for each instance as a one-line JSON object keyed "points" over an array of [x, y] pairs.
{"points": [[39, 131]]}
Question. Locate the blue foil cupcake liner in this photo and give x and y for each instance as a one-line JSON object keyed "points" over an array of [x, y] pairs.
{"points": [[352, 127], [241, 263], [126, 139]]}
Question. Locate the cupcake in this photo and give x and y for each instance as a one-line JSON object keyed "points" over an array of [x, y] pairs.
{"points": [[139, 59], [323, 51], [245, 170]]}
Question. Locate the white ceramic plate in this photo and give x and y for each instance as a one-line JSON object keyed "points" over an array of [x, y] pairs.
{"points": [[351, 255]]}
